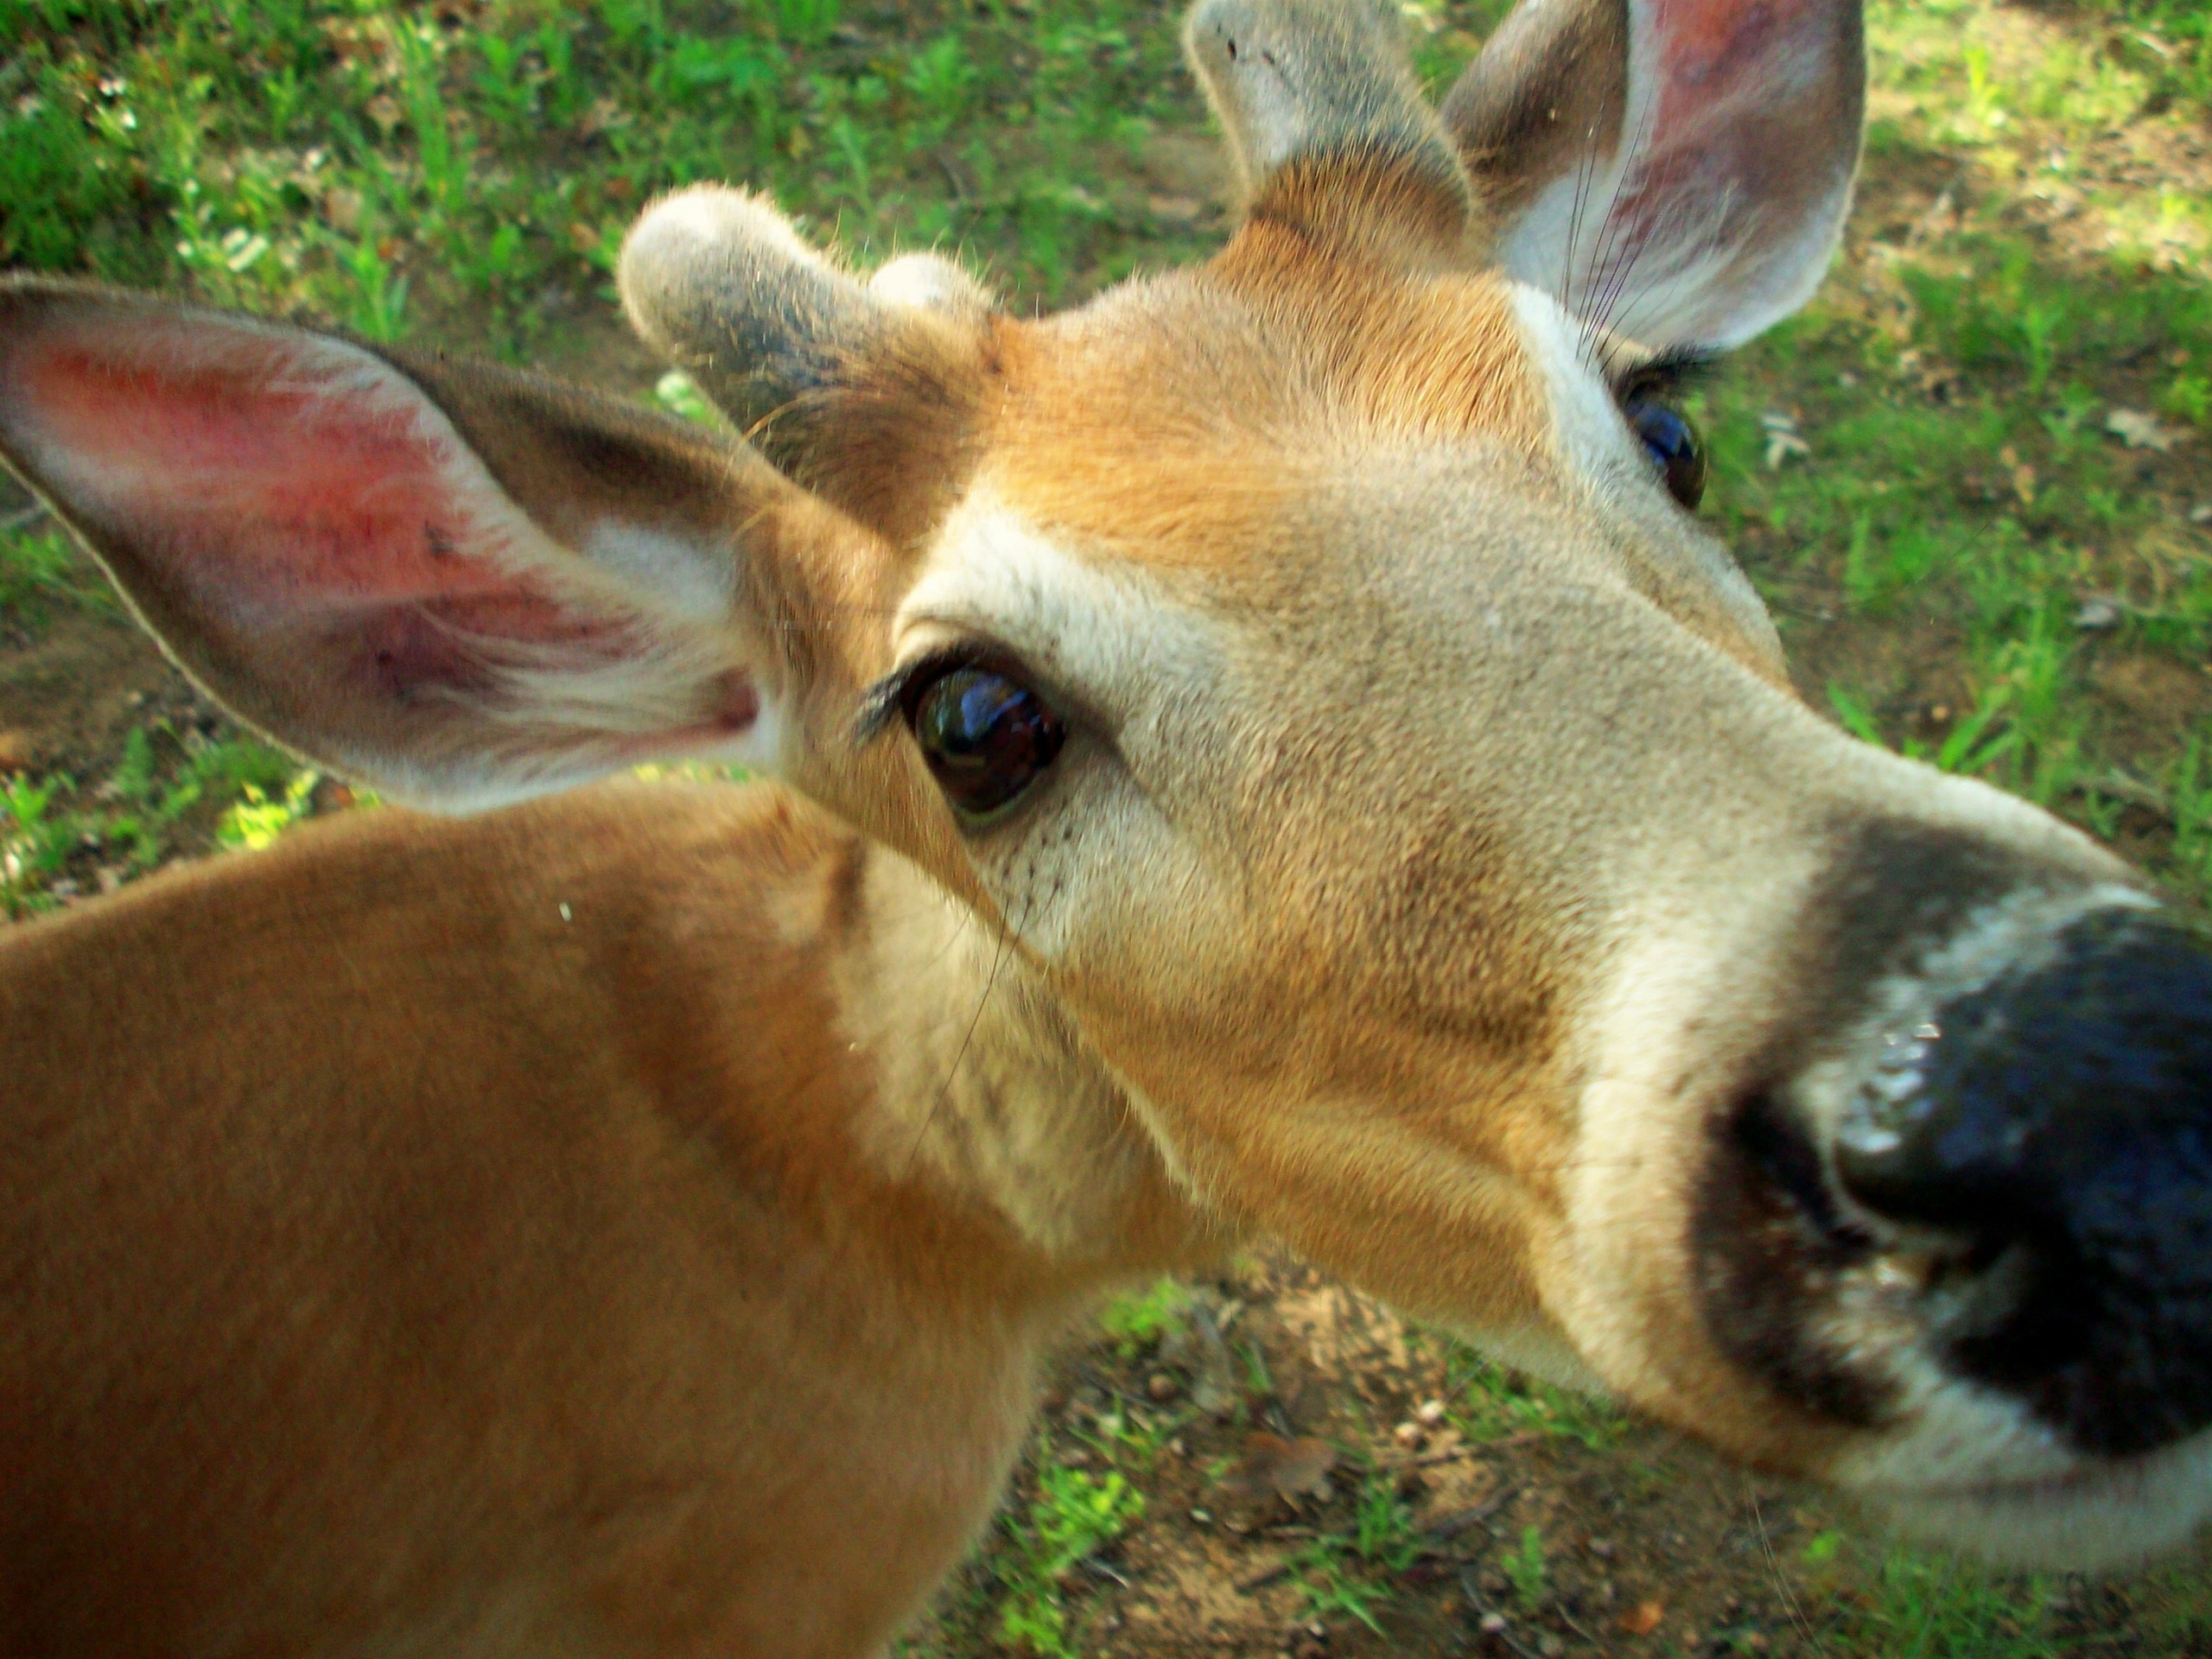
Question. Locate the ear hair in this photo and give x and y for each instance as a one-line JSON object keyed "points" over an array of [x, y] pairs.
{"points": [[866, 394], [1555, 88], [1676, 170], [1325, 122], [463, 583]]}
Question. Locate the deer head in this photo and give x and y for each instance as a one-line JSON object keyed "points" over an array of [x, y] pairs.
{"points": [[1314, 662]]}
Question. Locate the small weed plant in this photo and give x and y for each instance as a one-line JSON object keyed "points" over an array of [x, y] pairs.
{"points": [[1524, 1569], [1490, 1401], [1074, 1513], [1924, 1606], [50, 829], [1136, 1321], [1350, 1573], [41, 574], [258, 819]]}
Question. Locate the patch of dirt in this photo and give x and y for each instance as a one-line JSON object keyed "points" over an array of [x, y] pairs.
{"points": [[589, 343], [71, 690], [1646, 1543]]}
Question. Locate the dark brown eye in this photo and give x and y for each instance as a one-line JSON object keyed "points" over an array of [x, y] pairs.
{"points": [[987, 738], [1673, 444]]}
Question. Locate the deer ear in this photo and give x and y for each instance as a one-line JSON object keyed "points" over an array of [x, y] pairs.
{"points": [[866, 393], [1325, 119], [1676, 170], [458, 583]]}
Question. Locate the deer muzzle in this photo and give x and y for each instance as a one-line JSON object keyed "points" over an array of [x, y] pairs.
{"points": [[2042, 1148], [1972, 1230]]}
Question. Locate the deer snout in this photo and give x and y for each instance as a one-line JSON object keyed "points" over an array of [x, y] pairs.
{"points": [[2037, 1152]]}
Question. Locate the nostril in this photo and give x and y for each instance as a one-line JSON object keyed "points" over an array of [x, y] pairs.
{"points": [[1770, 1245], [1937, 1161], [1778, 1149], [2051, 1136]]}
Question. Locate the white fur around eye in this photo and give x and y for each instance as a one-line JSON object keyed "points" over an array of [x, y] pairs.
{"points": [[1586, 422]]}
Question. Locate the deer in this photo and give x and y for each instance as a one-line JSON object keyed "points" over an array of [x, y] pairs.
{"points": [[1269, 753]]}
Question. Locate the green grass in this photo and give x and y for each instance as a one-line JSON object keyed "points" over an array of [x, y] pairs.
{"points": [[1908, 1603], [40, 573], [53, 833], [2168, 42], [390, 167], [1922, 1607], [1138, 1320], [1954, 390], [1073, 1515], [1350, 1572], [1488, 1402], [1524, 1569]]}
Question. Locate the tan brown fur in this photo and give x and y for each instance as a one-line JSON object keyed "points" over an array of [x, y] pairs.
{"points": [[631, 1360], [1103, 429]]}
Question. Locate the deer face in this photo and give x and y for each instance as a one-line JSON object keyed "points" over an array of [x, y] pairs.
{"points": [[1433, 842], [1310, 662]]}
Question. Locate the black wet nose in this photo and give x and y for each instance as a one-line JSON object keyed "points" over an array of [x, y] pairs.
{"points": [[2052, 1133]]}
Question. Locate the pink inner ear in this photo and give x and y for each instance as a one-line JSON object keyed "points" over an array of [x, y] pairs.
{"points": [[316, 540], [1703, 40], [290, 489], [1713, 52]]}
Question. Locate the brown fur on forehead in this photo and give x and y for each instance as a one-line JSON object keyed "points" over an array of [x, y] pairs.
{"points": [[1427, 353], [1180, 420], [1378, 206]]}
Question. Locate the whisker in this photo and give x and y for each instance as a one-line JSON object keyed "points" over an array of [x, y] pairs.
{"points": [[1789, 1606], [1585, 172], [1616, 260], [1007, 934]]}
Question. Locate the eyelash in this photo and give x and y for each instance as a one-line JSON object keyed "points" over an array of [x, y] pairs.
{"points": [[883, 704], [1673, 371]]}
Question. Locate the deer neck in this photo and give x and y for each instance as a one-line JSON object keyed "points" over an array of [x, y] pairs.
{"points": [[987, 1097]]}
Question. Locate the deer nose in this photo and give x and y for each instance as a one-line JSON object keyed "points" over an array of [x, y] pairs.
{"points": [[2042, 1148]]}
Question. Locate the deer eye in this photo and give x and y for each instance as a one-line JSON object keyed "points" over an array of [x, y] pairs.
{"points": [[985, 736], [1676, 451]]}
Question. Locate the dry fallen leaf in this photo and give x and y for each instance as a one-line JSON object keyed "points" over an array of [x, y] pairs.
{"points": [[605, 115], [1643, 1618], [342, 208], [1783, 441], [1289, 1469], [2140, 431], [2097, 615]]}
